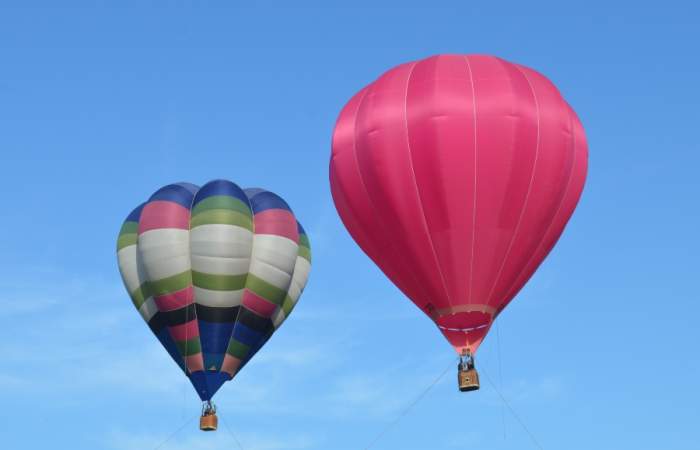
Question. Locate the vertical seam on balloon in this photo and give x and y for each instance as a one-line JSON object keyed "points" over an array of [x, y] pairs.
{"points": [[529, 190], [471, 256], [291, 281], [240, 307], [369, 198], [194, 300], [415, 184], [569, 183]]}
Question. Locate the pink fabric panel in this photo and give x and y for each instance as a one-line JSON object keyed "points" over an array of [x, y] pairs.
{"points": [[176, 300], [257, 304], [278, 222], [164, 214], [185, 331]]}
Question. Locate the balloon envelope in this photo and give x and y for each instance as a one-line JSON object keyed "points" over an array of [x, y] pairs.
{"points": [[214, 271], [456, 175]]}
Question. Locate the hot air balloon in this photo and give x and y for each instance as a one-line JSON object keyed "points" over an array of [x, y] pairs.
{"points": [[213, 271], [456, 175]]}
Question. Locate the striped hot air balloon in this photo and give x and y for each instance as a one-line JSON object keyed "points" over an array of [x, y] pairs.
{"points": [[214, 271]]}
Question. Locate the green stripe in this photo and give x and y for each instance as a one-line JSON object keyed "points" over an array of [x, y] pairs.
{"points": [[126, 240], [192, 346], [221, 202], [304, 240], [139, 296], [288, 305], [218, 282], [223, 216], [265, 290], [129, 227], [305, 253], [237, 349], [171, 284]]}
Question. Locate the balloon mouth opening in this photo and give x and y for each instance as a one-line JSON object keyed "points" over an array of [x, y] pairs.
{"points": [[465, 330]]}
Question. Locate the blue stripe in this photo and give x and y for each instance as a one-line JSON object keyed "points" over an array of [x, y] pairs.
{"points": [[169, 344], [300, 228], [246, 335], [214, 336], [135, 215], [174, 193], [261, 200], [221, 187]]}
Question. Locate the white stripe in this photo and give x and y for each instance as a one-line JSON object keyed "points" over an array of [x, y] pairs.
{"points": [[221, 240], [163, 237], [277, 251], [271, 274], [148, 309], [129, 268], [159, 268], [301, 274], [296, 287], [219, 299], [220, 266], [164, 252], [278, 318]]}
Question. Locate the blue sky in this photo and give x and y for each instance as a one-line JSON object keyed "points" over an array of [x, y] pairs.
{"points": [[100, 106]]}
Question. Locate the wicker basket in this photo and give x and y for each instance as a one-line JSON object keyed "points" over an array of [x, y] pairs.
{"points": [[468, 380], [208, 422]]}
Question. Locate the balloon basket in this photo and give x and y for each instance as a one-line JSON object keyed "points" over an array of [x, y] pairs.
{"points": [[468, 380], [208, 422]]}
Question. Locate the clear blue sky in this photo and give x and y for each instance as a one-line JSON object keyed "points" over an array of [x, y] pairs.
{"points": [[100, 106]]}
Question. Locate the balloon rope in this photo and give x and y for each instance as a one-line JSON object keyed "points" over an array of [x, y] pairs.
{"points": [[230, 431], [172, 435], [512, 411], [500, 375], [409, 407]]}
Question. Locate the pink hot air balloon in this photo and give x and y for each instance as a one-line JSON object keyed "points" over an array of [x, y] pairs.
{"points": [[456, 174]]}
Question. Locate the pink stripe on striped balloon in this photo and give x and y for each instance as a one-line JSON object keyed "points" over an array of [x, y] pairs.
{"points": [[278, 222], [185, 331], [258, 304], [230, 364], [175, 300], [194, 363], [164, 214]]}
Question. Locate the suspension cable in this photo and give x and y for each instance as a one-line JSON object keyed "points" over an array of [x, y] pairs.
{"points": [[512, 411], [172, 435], [408, 407], [230, 431]]}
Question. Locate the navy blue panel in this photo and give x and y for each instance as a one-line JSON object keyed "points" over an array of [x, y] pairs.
{"points": [[250, 192], [300, 228], [261, 200], [135, 215], [221, 187], [214, 336], [215, 380], [174, 193], [245, 335], [199, 381], [254, 321], [167, 341], [193, 188], [253, 350], [207, 383]]}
